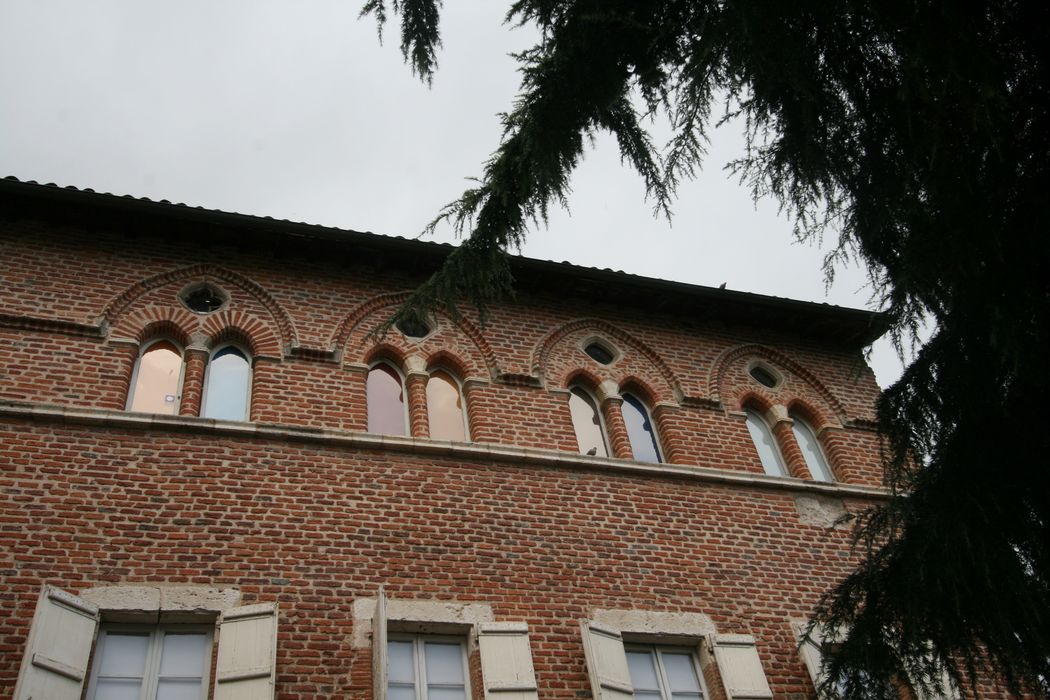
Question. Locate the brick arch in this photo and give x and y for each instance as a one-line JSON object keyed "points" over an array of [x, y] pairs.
{"points": [[716, 377], [451, 361], [812, 414], [229, 325], [640, 388], [152, 322], [541, 353], [353, 320], [386, 352], [583, 377], [115, 310]]}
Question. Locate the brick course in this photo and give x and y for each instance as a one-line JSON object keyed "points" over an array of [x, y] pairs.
{"points": [[315, 524]]}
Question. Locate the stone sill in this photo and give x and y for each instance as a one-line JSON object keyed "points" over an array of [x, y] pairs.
{"points": [[49, 413]]}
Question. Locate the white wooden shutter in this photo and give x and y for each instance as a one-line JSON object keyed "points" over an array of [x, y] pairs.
{"points": [[55, 663], [740, 667], [506, 661], [810, 651], [606, 662], [379, 651], [246, 667]]}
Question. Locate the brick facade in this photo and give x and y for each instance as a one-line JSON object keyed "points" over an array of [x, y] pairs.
{"points": [[303, 507]]}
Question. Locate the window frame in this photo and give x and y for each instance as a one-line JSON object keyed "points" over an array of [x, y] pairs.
{"points": [[462, 397], [657, 442], [658, 650], [251, 380], [782, 463], [151, 673], [404, 394], [822, 454], [601, 421], [143, 349], [419, 667]]}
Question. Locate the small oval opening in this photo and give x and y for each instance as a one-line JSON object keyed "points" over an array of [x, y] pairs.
{"points": [[599, 353], [413, 328], [763, 376], [203, 299]]}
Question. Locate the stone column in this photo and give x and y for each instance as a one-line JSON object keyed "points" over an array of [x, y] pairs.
{"points": [[416, 393], [611, 403], [781, 425], [196, 359]]}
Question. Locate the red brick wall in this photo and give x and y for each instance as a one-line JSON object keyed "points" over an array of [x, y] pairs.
{"points": [[314, 526]]}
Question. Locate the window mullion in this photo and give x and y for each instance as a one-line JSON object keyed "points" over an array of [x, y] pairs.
{"points": [[419, 657], [661, 674], [152, 670]]}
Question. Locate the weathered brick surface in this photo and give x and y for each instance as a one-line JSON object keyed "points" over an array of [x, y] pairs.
{"points": [[315, 526]]}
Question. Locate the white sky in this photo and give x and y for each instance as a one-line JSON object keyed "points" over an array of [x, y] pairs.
{"points": [[293, 110]]}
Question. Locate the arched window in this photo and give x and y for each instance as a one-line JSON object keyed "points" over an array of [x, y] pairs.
{"points": [[227, 385], [587, 422], [640, 430], [156, 381], [818, 465], [766, 444], [445, 407], [386, 401]]}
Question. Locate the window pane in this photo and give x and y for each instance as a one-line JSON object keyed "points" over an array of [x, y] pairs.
{"points": [[386, 401], [643, 671], [183, 655], [157, 382], [681, 673], [586, 421], [229, 381], [446, 694], [647, 694], [445, 408], [768, 452], [810, 446], [124, 655], [399, 662], [401, 692], [179, 690], [112, 689], [444, 663], [640, 430]]}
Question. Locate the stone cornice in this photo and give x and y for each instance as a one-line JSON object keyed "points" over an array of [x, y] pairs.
{"points": [[122, 420]]}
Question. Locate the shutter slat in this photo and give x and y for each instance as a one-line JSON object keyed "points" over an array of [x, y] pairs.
{"points": [[506, 661], [740, 667], [55, 662], [246, 666], [606, 662]]}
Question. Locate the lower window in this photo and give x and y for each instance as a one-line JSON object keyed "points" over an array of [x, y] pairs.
{"points": [[143, 662], [664, 673], [426, 668]]}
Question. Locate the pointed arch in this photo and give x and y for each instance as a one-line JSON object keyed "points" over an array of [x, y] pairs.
{"points": [[541, 352], [256, 334], [717, 373], [154, 321], [115, 310], [484, 365]]}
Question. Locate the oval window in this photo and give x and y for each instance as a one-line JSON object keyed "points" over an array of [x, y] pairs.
{"points": [[413, 328], [386, 401], [599, 353], [227, 385], [203, 298], [763, 376]]}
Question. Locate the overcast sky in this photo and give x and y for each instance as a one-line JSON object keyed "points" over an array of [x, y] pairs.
{"points": [[294, 110]]}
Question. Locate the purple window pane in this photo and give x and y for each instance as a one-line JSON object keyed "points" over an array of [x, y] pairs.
{"points": [[386, 401]]}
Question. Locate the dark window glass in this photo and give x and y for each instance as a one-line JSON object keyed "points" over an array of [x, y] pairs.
{"points": [[763, 376], [640, 430], [204, 299], [413, 328], [228, 383], [586, 421], [386, 401], [599, 353], [445, 408], [157, 377]]}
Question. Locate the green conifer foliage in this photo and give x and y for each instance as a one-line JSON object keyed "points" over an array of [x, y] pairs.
{"points": [[919, 133]]}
